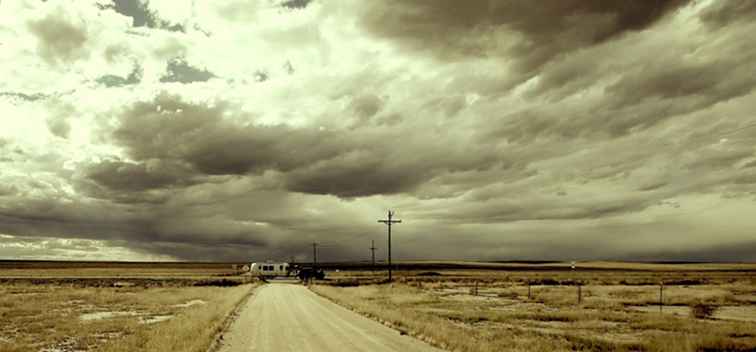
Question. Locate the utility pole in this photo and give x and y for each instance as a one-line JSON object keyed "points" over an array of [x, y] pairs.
{"points": [[372, 249], [314, 256], [389, 222], [661, 295]]}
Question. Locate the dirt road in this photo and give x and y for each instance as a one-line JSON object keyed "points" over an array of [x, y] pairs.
{"points": [[288, 317]]}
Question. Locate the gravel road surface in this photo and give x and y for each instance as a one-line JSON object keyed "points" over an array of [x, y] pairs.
{"points": [[288, 317]]}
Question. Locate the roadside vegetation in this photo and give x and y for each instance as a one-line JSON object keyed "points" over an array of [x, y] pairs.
{"points": [[617, 311], [192, 330], [115, 314]]}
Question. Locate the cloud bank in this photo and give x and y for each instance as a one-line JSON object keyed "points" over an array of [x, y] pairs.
{"points": [[237, 130]]}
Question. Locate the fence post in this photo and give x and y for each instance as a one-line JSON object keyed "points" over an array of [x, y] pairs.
{"points": [[529, 295], [580, 293], [661, 296]]}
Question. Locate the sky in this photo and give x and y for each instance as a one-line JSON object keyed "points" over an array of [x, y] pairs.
{"points": [[497, 130]]}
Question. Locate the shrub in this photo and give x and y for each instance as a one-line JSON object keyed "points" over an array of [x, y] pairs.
{"points": [[429, 273], [702, 310], [219, 283], [545, 282], [345, 283], [512, 295], [685, 282]]}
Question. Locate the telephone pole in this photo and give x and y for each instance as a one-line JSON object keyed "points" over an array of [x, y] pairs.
{"points": [[372, 249], [314, 256], [389, 222]]}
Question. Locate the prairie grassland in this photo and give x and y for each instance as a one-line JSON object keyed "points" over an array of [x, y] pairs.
{"points": [[158, 273], [62, 318], [604, 265], [619, 311], [73, 270]]}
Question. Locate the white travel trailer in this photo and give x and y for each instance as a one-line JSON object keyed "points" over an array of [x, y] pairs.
{"points": [[269, 269]]}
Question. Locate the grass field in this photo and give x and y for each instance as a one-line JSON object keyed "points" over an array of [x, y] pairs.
{"points": [[116, 308], [705, 307]]}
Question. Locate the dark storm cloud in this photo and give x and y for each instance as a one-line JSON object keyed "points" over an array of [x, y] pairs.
{"points": [[746, 179], [295, 4], [152, 225], [133, 177], [198, 134], [309, 159], [135, 9], [139, 11], [744, 252], [710, 160], [58, 39], [59, 126], [58, 122], [134, 77], [220, 220], [673, 78], [35, 217], [365, 107], [453, 30], [178, 70], [24, 96], [261, 76], [356, 175], [652, 82], [7, 190], [633, 121], [722, 13], [646, 96], [652, 186], [501, 210]]}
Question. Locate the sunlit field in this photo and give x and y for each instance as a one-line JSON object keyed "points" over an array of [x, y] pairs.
{"points": [[457, 306], [116, 308], [638, 308]]}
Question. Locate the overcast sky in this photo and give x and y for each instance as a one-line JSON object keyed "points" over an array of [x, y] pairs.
{"points": [[501, 129]]}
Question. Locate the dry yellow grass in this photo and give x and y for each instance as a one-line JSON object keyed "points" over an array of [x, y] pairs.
{"points": [[192, 330], [54, 317], [611, 317], [71, 273], [114, 270], [583, 265]]}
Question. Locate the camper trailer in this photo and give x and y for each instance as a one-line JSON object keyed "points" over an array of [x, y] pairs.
{"points": [[269, 269]]}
